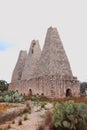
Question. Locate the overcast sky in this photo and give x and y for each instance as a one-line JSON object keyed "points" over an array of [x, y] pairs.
{"points": [[21, 21]]}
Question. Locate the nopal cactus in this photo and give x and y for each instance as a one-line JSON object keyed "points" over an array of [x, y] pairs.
{"points": [[70, 115]]}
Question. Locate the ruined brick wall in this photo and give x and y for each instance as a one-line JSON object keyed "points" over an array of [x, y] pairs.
{"points": [[51, 86]]}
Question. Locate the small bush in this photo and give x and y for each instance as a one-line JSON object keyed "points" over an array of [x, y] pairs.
{"points": [[11, 97], [43, 104], [25, 117], [13, 122], [70, 115], [28, 108], [3, 85], [20, 122], [9, 126], [41, 127], [48, 118]]}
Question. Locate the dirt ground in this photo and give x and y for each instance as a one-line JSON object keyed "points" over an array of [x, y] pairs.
{"points": [[35, 119]]}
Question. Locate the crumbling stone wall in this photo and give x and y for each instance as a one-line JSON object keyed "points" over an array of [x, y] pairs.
{"points": [[51, 86]]}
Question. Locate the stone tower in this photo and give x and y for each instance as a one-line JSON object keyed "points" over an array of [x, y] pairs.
{"points": [[17, 73], [53, 59], [47, 72], [31, 61]]}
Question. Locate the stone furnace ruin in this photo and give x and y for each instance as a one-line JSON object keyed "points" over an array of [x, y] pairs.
{"points": [[45, 72]]}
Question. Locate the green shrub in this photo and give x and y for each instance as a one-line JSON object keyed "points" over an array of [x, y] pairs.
{"points": [[83, 87], [70, 115], [3, 85], [1, 99], [11, 97], [42, 104], [25, 117], [35, 99]]}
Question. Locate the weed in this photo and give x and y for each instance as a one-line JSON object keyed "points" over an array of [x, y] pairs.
{"points": [[25, 117], [9, 126], [48, 118], [20, 122], [13, 122], [41, 127], [28, 108]]}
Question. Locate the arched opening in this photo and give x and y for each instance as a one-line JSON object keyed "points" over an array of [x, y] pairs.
{"points": [[30, 92], [68, 92]]}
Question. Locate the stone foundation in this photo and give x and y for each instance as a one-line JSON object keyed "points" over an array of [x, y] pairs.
{"points": [[50, 86]]}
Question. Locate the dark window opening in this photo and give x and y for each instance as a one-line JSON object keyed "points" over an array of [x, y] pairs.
{"points": [[32, 51], [30, 92], [68, 92]]}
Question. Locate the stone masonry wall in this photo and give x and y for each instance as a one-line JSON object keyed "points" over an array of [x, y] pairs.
{"points": [[51, 86], [17, 73], [53, 58], [46, 72], [31, 61]]}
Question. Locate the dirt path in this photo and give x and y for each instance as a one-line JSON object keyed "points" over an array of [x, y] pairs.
{"points": [[34, 120], [31, 124]]}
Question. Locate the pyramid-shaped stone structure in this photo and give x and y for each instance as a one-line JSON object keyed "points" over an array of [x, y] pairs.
{"points": [[53, 58], [47, 72], [17, 73], [31, 61]]}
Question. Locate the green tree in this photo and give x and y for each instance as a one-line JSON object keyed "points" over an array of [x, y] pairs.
{"points": [[3, 85], [83, 87]]}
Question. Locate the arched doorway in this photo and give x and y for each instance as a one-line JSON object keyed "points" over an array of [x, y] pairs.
{"points": [[30, 92], [68, 92]]}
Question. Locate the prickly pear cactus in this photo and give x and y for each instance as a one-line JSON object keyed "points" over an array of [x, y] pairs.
{"points": [[70, 115]]}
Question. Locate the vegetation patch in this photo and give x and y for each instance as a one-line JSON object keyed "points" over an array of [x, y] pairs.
{"points": [[70, 115], [11, 97]]}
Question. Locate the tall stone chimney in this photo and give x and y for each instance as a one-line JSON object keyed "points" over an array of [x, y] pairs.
{"points": [[31, 61], [17, 73], [53, 58]]}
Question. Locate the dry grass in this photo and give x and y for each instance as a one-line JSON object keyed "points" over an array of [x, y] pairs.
{"points": [[48, 118], [75, 99], [9, 126], [5, 107], [41, 127], [13, 122]]}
